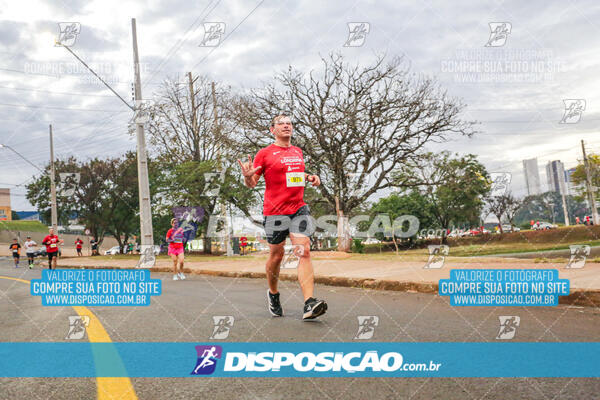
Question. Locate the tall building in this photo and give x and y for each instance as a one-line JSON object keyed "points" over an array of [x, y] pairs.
{"points": [[532, 176], [5, 210], [555, 173]]}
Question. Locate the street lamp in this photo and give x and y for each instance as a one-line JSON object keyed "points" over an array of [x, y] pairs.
{"points": [[2, 146]]}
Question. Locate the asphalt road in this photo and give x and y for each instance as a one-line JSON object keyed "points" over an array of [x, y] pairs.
{"points": [[183, 313]]}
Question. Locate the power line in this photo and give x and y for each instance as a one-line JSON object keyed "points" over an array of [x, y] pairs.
{"points": [[175, 48], [229, 34], [60, 108], [54, 92]]}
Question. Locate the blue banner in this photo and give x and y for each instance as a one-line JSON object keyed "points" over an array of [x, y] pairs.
{"points": [[97, 287], [282, 359], [504, 287]]}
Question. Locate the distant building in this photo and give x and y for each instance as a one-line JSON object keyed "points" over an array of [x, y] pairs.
{"points": [[5, 210], [532, 176], [555, 173]]}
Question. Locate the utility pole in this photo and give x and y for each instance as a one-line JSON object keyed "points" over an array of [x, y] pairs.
{"points": [[588, 184], [194, 117], [565, 209], [147, 239], [228, 248], [53, 212]]}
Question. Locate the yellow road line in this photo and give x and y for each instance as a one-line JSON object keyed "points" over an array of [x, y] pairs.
{"points": [[13, 279], [109, 388]]}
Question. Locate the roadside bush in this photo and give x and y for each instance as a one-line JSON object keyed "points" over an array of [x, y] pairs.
{"points": [[357, 246]]}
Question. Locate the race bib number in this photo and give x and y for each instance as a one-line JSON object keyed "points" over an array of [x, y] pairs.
{"points": [[52, 245], [294, 179]]}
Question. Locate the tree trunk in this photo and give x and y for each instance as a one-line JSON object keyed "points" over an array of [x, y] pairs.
{"points": [[343, 228], [207, 244], [343, 233]]}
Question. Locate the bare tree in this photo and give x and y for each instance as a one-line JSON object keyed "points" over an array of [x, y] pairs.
{"points": [[513, 207], [355, 125], [505, 205], [188, 128]]}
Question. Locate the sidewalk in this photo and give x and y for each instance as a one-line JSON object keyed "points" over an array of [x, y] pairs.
{"points": [[361, 271]]}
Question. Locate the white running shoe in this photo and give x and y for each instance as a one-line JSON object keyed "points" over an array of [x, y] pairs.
{"points": [[175, 277], [181, 276]]}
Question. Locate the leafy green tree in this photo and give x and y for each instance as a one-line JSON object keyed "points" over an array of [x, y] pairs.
{"points": [[105, 199], [579, 177], [122, 204], [454, 187], [548, 207], [38, 192], [396, 205]]}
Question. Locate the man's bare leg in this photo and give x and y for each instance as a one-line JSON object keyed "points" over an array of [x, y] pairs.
{"points": [[306, 276], [273, 264]]}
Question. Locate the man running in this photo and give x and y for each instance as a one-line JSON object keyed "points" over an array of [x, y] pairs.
{"points": [[15, 247], [51, 241], [79, 246], [175, 240], [30, 250], [285, 212]]}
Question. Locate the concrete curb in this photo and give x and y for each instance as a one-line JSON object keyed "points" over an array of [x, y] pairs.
{"points": [[578, 297]]}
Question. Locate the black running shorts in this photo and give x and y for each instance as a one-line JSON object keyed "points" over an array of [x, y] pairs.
{"points": [[278, 227], [52, 255]]}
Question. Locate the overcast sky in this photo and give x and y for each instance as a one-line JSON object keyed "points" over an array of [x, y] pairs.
{"points": [[517, 94]]}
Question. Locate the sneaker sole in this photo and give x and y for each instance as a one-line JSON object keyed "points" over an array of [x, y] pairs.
{"points": [[269, 307], [319, 310]]}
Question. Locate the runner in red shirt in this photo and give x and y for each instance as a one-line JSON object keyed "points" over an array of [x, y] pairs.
{"points": [[175, 240], [78, 246], [285, 212], [52, 242]]}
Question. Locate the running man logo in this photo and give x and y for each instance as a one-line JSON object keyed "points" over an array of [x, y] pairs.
{"points": [[357, 34], [77, 325], [292, 257], [508, 326], [68, 32], [573, 111], [500, 183], [213, 31], [212, 183], [499, 32], [207, 359], [223, 324], [147, 259], [437, 255], [68, 183], [579, 253], [366, 326]]}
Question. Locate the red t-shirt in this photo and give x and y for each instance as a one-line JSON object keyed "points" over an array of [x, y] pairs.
{"points": [[51, 243], [283, 168], [78, 243], [174, 239]]}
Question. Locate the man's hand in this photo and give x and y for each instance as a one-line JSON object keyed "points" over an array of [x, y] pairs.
{"points": [[314, 179], [250, 177], [247, 169]]}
